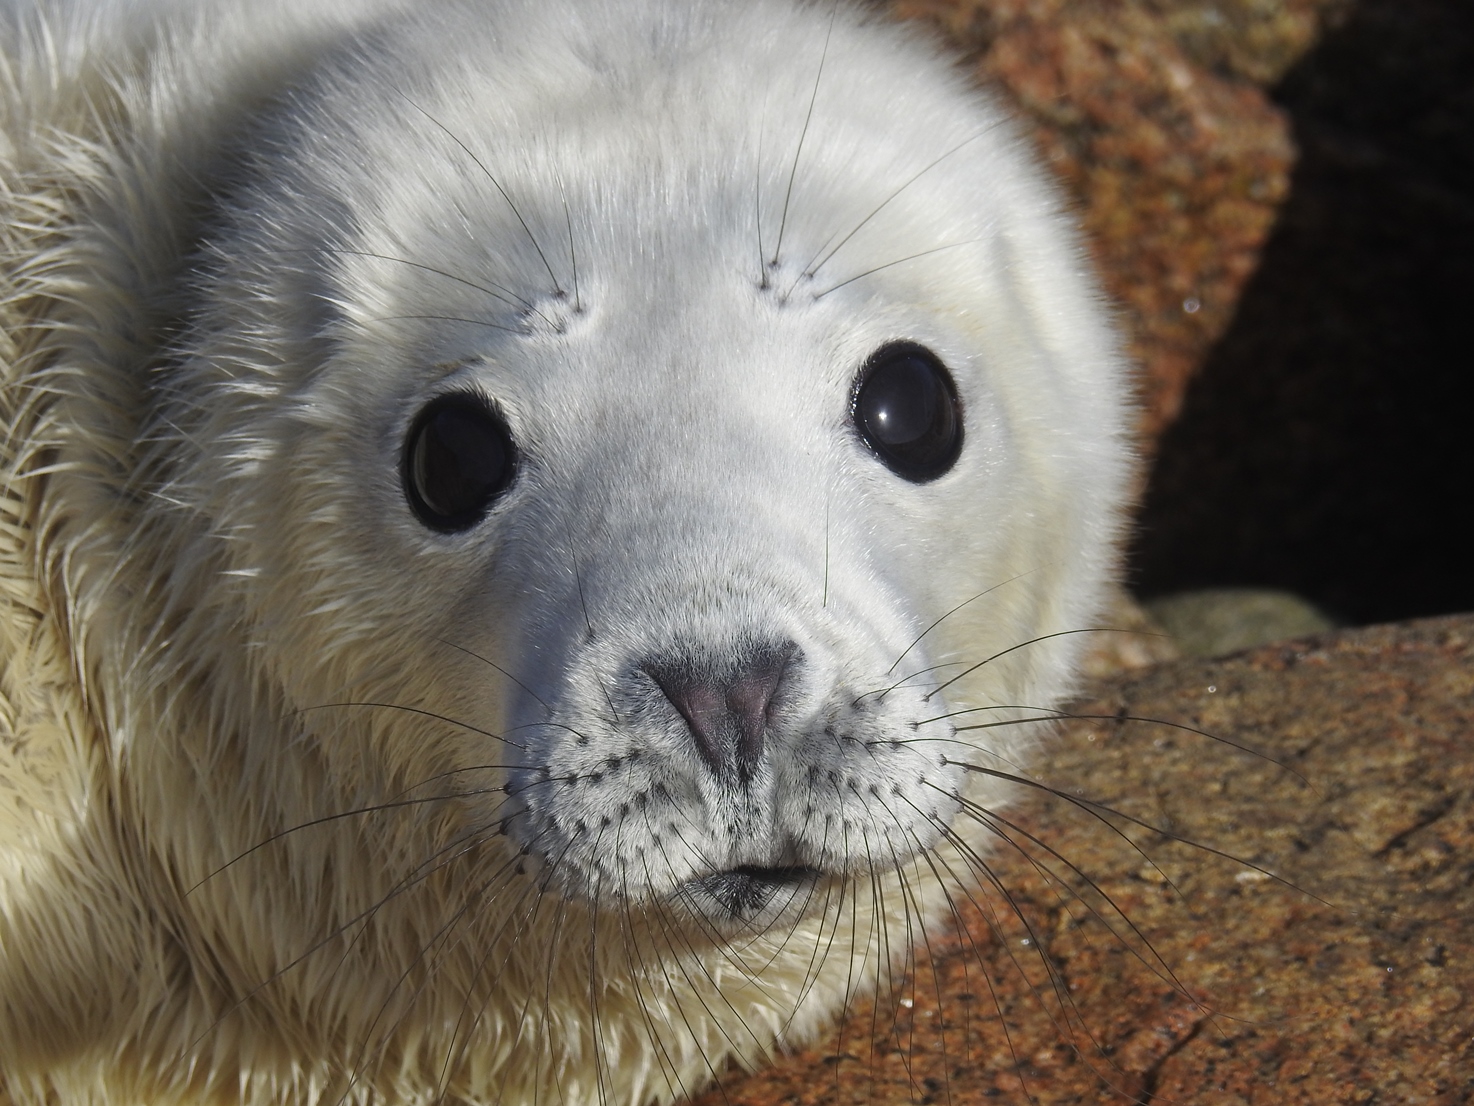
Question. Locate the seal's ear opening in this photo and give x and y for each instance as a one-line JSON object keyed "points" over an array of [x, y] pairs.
{"points": [[906, 410], [458, 459]]}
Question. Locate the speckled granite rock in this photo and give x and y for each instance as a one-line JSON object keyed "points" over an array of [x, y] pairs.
{"points": [[1154, 112], [1351, 983]]}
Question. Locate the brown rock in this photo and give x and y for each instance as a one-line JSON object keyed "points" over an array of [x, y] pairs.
{"points": [[1323, 447], [1129, 966], [1154, 113]]}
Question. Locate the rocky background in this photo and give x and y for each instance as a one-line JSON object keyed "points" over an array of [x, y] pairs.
{"points": [[1249, 879], [1130, 944], [1280, 194]]}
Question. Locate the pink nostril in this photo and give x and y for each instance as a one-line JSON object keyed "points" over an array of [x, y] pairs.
{"points": [[726, 706]]}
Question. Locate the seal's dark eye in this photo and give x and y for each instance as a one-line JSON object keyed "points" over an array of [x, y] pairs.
{"points": [[906, 410], [458, 457]]}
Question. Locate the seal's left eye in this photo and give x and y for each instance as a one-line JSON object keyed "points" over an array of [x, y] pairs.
{"points": [[906, 409], [458, 457]]}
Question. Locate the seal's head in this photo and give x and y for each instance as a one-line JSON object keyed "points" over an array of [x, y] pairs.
{"points": [[605, 459]]}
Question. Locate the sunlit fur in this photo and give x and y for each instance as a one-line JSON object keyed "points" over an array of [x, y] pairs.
{"points": [[304, 802]]}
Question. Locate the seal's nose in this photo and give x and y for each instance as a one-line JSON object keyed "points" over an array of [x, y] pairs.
{"points": [[727, 705]]}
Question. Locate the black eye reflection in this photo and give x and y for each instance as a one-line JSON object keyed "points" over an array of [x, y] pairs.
{"points": [[906, 409], [458, 457]]}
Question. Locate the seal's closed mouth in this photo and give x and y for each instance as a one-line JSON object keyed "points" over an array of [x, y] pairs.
{"points": [[747, 891]]}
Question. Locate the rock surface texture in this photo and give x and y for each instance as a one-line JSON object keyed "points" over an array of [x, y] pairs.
{"points": [[1156, 115], [1324, 440], [1122, 964], [1280, 195]]}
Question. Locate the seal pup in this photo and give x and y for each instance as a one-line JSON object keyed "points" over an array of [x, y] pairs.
{"points": [[508, 506]]}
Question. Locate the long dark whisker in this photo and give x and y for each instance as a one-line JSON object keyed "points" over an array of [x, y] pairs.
{"points": [[909, 973], [414, 710], [357, 812], [706, 861], [671, 932], [595, 1022], [518, 931], [937, 864], [441, 938], [824, 599], [812, 269], [850, 983], [757, 196], [572, 248], [989, 915], [1053, 715], [706, 927], [818, 958], [480, 972], [882, 692], [490, 288], [1024, 645], [669, 1070], [887, 961], [914, 910], [1099, 811], [547, 997], [803, 134], [583, 605], [822, 948], [996, 823], [667, 924], [499, 668], [911, 912], [876, 936], [557, 288], [979, 864], [1069, 1009], [1070, 1015], [476, 836], [454, 850], [393, 802], [523, 1021], [970, 599], [452, 319], [772, 955], [890, 264], [548, 724]]}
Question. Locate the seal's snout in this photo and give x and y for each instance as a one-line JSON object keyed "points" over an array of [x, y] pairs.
{"points": [[729, 706], [733, 769]]}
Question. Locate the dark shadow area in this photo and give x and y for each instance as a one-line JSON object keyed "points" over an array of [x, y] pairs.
{"points": [[1328, 444]]}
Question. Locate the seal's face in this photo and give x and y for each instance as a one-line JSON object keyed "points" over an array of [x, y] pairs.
{"points": [[659, 557], [709, 627], [646, 482], [601, 479], [684, 600]]}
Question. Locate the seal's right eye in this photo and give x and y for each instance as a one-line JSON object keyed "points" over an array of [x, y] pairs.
{"points": [[906, 409], [458, 457]]}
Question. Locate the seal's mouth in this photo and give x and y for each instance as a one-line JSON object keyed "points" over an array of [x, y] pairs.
{"points": [[752, 895]]}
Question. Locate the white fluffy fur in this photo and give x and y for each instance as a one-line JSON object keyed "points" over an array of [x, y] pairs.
{"points": [[252, 791]]}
